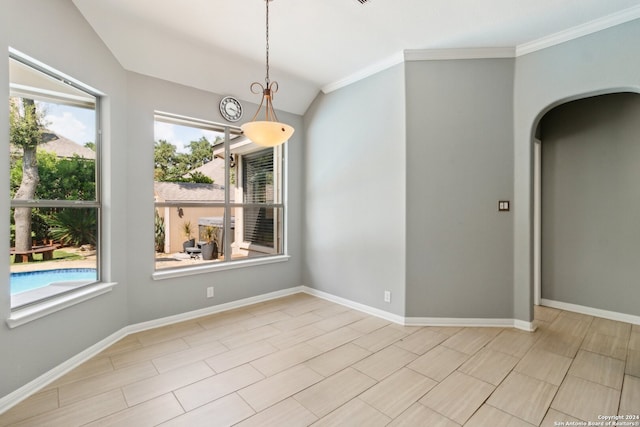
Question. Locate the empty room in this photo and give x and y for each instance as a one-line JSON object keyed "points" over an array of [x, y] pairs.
{"points": [[183, 243]]}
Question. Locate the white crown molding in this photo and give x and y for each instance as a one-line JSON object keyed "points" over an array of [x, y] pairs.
{"points": [[394, 59], [461, 53], [605, 314], [578, 31], [585, 29]]}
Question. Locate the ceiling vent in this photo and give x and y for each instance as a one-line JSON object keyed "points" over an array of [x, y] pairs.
{"points": [[363, 1]]}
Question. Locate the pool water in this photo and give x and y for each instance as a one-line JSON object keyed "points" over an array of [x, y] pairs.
{"points": [[29, 280]]}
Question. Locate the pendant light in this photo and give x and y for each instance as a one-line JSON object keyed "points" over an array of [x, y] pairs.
{"points": [[268, 132]]}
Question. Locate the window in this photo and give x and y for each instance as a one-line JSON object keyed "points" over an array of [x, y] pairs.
{"points": [[257, 184], [55, 204], [218, 196]]}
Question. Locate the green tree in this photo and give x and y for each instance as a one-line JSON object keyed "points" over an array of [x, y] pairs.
{"points": [[165, 157], [171, 166], [74, 226], [159, 232], [67, 178], [60, 179], [199, 178], [25, 132], [201, 153]]}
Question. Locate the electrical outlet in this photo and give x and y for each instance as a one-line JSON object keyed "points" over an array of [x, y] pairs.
{"points": [[210, 292], [387, 296]]}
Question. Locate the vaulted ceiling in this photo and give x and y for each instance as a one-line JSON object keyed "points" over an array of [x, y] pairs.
{"points": [[219, 45]]}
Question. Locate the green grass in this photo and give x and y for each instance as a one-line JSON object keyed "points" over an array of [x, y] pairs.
{"points": [[58, 255]]}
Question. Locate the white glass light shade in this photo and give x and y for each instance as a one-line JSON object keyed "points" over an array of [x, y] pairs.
{"points": [[267, 133]]}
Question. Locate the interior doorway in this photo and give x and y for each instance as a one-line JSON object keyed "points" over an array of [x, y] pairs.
{"points": [[586, 232]]}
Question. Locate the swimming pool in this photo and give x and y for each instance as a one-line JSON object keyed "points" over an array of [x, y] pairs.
{"points": [[29, 280]]}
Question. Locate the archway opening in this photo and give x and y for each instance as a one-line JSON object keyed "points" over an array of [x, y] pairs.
{"points": [[589, 206]]}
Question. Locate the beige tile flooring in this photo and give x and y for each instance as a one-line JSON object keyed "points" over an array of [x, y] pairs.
{"points": [[301, 360]]}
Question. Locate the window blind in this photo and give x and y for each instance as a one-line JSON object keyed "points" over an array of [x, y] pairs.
{"points": [[257, 179]]}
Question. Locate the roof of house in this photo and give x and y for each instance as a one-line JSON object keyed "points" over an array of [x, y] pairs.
{"points": [[60, 146], [63, 147], [189, 191], [214, 170]]}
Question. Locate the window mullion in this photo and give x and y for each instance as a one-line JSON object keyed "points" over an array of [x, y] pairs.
{"points": [[38, 203], [227, 196]]}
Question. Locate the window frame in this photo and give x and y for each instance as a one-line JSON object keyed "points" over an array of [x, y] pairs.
{"points": [[275, 204], [279, 204], [37, 308]]}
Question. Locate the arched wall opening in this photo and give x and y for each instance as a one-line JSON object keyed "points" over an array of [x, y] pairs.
{"points": [[587, 204]]}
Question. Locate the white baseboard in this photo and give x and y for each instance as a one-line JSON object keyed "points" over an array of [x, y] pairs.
{"points": [[17, 396], [182, 317], [423, 321], [469, 322], [606, 314], [525, 326], [9, 401], [47, 378], [355, 305]]}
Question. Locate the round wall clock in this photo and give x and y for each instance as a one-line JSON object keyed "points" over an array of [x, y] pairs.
{"points": [[230, 108]]}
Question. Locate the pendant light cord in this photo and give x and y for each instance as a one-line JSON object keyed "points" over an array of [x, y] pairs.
{"points": [[268, 132], [267, 27]]}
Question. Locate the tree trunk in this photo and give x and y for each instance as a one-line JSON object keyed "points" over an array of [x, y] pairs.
{"points": [[27, 190]]}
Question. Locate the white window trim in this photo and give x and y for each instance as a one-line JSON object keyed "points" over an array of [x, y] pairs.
{"points": [[49, 306], [41, 308], [241, 147], [209, 268], [247, 148]]}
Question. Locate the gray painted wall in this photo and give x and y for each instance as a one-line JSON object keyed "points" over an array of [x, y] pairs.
{"points": [[591, 203], [354, 229], [459, 164], [595, 64], [149, 299], [365, 158], [55, 33], [59, 37]]}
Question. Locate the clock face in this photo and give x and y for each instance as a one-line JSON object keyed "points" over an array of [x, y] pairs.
{"points": [[231, 109]]}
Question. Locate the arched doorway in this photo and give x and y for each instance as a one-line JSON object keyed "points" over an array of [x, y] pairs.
{"points": [[588, 205]]}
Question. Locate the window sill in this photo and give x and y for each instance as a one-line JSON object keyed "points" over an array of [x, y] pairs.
{"points": [[36, 311], [190, 271], [249, 246]]}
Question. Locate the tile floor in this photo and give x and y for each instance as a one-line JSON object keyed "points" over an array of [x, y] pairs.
{"points": [[301, 360]]}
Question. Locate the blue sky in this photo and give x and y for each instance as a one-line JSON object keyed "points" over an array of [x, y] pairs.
{"points": [[180, 136], [78, 125]]}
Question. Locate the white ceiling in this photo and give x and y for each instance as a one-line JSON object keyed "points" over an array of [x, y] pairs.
{"points": [[219, 45]]}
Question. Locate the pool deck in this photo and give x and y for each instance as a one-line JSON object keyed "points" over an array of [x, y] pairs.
{"points": [[162, 261], [88, 261]]}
